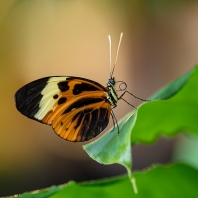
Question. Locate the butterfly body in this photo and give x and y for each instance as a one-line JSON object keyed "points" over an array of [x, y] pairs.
{"points": [[78, 109]]}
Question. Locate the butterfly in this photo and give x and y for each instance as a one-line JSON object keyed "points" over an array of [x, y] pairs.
{"points": [[78, 109]]}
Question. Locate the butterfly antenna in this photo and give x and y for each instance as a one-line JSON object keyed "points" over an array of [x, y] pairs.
{"points": [[110, 48], [117, 53]]}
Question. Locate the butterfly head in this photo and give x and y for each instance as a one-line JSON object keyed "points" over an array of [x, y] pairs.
{"points": [[121, 84], [111, 82]]}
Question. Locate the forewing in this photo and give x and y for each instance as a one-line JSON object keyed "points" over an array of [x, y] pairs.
{"points": [[40, 98]]}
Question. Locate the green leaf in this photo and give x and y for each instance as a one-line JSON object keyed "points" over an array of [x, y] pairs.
{"points": [[172, 116], [172, 88], [42, 193], [176, 180], [111, 148]]}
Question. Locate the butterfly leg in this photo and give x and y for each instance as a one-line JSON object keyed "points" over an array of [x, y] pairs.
{"points": [[115, 122], [133, 96], [128, 103]]}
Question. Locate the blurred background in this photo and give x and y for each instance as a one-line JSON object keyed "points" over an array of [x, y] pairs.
{"points": [[64, 37]]}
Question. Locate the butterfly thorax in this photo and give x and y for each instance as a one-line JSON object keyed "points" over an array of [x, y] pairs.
{"points": [[112, 94]]}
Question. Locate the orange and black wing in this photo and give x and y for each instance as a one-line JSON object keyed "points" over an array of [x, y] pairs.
{"points": [[77, 108]]}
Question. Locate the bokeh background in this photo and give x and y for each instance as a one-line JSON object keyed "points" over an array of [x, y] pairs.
{"points": [[65, 37]]}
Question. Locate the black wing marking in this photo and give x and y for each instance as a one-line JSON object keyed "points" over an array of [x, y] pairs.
{"points": [[28, 97]]}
